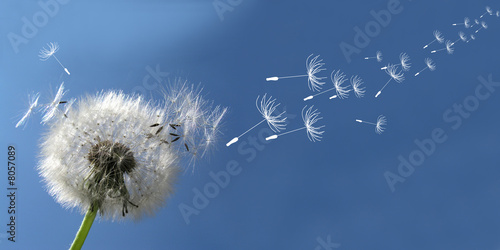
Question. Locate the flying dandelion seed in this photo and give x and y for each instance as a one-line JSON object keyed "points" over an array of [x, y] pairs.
{"points": [[461, 36], [449, 48], [488, 11], [313, 67], [50, 110], [338, 78], [356, 83], [404, 62], [379, 125], [438, 36], [267, 108], [392, 71], [476, 22], [466, 23], [498, 13], [33, 103], [483, 26], [378, 57], [310, 117], [429, 65], [472, 37], [50, 52], [110, 153]]}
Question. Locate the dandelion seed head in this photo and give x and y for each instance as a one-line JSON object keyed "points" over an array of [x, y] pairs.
{"points": [[473, 37], [338, 78], [405, 61], [310, 117], [356, 83], [379, 56], [381, 122], [392, 71], [47, 53], [476, 21], [430, 64], [267, 108], [115, 151], [439, 36], [313, 67]]}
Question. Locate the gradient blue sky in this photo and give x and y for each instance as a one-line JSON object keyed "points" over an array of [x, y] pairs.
{"points": [[290, 193]]}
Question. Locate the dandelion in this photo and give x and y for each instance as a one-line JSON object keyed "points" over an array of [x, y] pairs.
{"points": [[449, 48], [392, 71], [472, 37], [405, 62], [438, 36], [483, 26], [461, 36], [267, 108], [356, 83], [466, 23], [488, 11], [429, 65], [498, 13], [52, 108], [310, 117], [119, 154], [378, 57], [379, 125], [33, 103], [50, 52], [313, 67]]}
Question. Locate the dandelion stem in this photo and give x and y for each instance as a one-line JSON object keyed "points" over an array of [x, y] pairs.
{"points": [[284, 77], [65, 69], [291, 131], [82, 233], [252, 128]]}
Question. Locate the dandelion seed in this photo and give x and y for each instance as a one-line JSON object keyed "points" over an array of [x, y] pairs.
{"points": [[356, 83], [33, 103], [267, 108], [488, 11], [51, 109], [438, 36], [498, 13], [429, 65], [392, 71], [483, 26], [462, 37], [310, 117], [313, 67], [404, 62], [466, 23], [378, 57], [476, 22], [449, 48], [379, 125], [50, 52]]}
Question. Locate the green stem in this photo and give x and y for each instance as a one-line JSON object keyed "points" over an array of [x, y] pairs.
{"points": [[84, 229]]}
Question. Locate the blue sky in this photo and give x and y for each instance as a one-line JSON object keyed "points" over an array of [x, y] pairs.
{"points": [[289, 193]]}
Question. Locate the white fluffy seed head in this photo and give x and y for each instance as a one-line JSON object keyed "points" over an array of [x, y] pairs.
{"points": [[439, 36], [310, 117], [430, 64], [381, 122], [121, 154], [267, 108], [449, 47], [356, 83], [392, 71], [405, 61], [338, 78], [379, 56]]}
